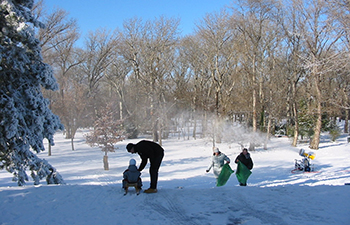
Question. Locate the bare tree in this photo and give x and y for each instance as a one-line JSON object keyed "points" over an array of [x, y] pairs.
{"points": [[72, 107], [181, 89], [293, 59], [256, 22], [116, 77], [340, 12], [199, 83], [218, 53], [319, 40], [99, 54], [254, 19], [234, 66], [150, 48], [58, 28], [67, 59], [57, 41]]}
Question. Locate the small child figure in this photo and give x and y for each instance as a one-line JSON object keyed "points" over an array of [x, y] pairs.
{"points": [[132, 177]]}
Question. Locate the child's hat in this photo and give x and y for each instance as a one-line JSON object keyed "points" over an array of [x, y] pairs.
{"points": [[132, 162]]}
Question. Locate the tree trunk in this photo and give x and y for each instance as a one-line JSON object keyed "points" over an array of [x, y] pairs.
{"points": [[49, 151], [72, 142], [296, 125], [121, 110], [194, 129], [268, 132], [204, 125], [105, 162], [155, 130], [160, 135], [194, 100], [254, 111], [318, 98], [68, 132], [346, 124], [251, 146], [316, 139]]}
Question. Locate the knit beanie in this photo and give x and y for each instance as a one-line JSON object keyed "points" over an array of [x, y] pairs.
{"points": [[132, 162], [216, 150]]}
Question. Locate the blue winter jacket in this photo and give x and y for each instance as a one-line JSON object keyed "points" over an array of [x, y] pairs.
{"points": [[131, 175]]}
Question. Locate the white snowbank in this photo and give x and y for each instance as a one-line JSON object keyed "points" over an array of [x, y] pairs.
{"points": [[187, 195]]}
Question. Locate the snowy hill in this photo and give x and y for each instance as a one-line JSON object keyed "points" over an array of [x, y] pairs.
{"points": [[187, 195]]}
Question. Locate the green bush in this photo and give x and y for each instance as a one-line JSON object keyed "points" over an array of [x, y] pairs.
{"points": [[334, 133]]}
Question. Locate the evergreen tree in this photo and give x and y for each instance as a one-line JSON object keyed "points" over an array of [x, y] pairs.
{"points": [[25, 118]]}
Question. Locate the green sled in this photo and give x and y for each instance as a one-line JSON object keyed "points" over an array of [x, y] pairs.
{"points": [[242, 173], [225, 174]]}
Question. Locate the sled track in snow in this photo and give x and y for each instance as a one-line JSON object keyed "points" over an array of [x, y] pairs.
{"points": [[251, 211], [169, 208]]}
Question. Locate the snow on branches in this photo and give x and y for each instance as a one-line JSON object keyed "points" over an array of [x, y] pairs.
{"points": [[25, 118]]}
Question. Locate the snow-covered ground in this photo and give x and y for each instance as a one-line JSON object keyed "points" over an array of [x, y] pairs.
{"points": [[186, 193]]}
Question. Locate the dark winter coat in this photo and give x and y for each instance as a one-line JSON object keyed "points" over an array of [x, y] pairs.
{"points": [[149, 150], [246, 160]]}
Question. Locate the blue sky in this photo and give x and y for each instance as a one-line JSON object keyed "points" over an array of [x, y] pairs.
{"points": [[110, 14]]}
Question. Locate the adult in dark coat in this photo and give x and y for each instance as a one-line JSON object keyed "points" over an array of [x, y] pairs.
{"points": [[245, 159], [152, 151]]}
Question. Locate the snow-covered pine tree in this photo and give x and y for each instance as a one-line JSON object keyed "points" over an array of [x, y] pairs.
{"points": [[107, 131], [25, 118]]}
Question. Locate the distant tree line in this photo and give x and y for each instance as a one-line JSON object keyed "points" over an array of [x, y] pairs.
{"points": [[257, 62]]}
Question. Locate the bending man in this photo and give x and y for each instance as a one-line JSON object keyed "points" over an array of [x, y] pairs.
{"points": [[152, 151]]}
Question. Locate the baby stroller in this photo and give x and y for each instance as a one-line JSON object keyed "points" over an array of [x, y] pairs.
{"points": [[305, 163]]}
